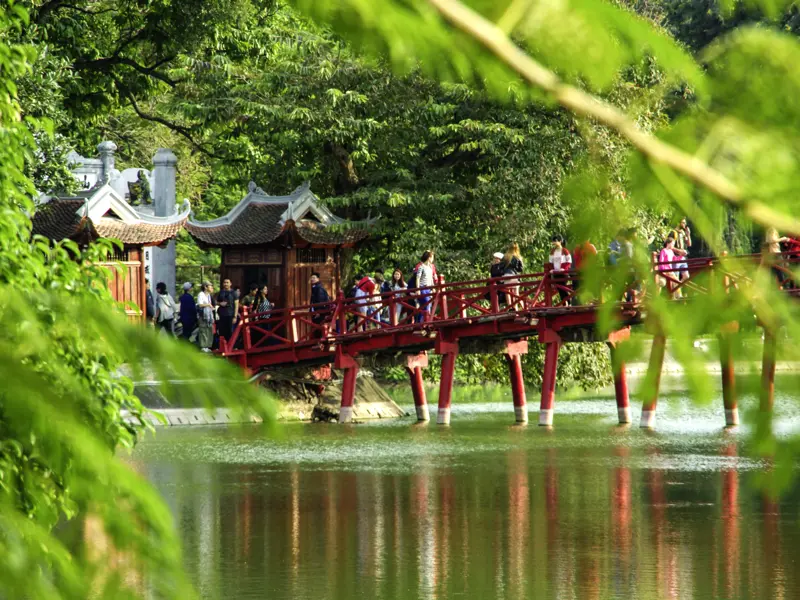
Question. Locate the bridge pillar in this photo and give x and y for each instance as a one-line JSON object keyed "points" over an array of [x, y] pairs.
{"points": [[350, 367], [549, 381], [728, 377], [620, 385], [514, 352], [449, 352], [768, 371], [653, 380], [414, 365]]}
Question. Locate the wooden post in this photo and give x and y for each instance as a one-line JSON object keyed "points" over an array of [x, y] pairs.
{"points": [[342, 325], [514, 352], [768, 371], [348, 394], [654, 379], [414, 365], [349, 365], [548, 286], [728, 379], [442, 293], [246, 328], [620, 386], [549, 383], [446, 387]]}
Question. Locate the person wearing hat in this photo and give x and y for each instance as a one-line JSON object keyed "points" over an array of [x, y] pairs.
{"points": [[497, 270], [188, 311]]}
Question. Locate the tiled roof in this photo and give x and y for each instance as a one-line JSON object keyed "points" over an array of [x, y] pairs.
{"points": [[59, 219], [315, 234], [146, 234], [256, 224]]}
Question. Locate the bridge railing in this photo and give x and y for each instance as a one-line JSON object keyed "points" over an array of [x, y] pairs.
{"points": [[420, 308]]}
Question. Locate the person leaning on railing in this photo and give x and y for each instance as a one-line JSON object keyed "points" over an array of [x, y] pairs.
{"points": [[770, 254]]}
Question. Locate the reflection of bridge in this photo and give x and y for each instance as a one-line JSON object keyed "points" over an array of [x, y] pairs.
{"points": [[496, 315]]}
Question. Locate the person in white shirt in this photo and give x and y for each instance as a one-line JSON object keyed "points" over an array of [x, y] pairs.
{"points": [[561, 261], [205, 305], [165, 309]]}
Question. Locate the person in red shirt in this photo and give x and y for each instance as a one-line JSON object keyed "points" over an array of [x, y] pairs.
{"points": [[583, 258]]}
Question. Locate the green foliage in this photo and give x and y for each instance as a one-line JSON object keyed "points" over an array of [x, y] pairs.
{"points": [[60, 406]]}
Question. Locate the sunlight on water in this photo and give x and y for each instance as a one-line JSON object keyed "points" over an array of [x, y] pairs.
{"points": [[483, 508]]}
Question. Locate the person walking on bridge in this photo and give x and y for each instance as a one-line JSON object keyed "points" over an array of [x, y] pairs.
{"points": [[496, 271], [513, 266], [319, 300], [561, 262], [426, 277], [584, 257]]}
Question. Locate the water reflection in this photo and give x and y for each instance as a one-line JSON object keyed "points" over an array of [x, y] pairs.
{"points": [[564, 521]]}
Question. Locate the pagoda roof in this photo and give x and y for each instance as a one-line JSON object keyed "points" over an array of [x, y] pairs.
{"points": [[101, 213], [260, 219]]}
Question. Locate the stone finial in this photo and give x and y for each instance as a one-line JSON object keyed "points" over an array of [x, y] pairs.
{"points": [[251, 187], [106, 150], [106, 147], [165, 157]]}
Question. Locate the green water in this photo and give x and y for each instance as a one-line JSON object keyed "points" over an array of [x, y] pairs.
{"points": [[482, 509]]}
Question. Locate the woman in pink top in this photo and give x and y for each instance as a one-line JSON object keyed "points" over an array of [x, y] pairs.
{"points": [[666, 258]]}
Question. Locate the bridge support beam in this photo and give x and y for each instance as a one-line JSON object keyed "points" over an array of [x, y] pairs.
{"points": [[350, 367], [768, 371], [653, 381], [449, 352], [514, 352], [549, 381], [728, 377], [414, 365], [620, 385]]}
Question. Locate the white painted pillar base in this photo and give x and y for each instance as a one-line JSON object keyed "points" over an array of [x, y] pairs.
{"points": [[345, 414], [648, 419], [624, 415], [521, 413], [546, 417], [422, 413], [731, 417], [443, 417]]}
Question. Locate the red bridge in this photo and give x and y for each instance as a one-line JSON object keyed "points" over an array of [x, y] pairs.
{"points": [[495, 315]]}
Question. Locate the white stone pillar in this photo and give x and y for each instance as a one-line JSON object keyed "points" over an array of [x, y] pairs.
{"points": [[106, 150], [164, 170]]}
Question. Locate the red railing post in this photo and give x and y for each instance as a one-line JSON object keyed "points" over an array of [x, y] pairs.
{"points": [[442, 293], [246, 328], [494, 299], [341, 312], [393, 309], [548, 284]]}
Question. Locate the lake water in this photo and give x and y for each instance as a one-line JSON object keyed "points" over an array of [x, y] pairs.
{"points": [[482, 509]]}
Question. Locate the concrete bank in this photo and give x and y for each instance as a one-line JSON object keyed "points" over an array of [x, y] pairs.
{"points": [[299, 399]]}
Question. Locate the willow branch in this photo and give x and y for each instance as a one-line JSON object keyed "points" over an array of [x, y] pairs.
{"points": [[582, 103]]}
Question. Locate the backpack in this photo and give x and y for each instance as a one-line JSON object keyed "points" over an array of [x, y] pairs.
{"points": [[167, 309]]}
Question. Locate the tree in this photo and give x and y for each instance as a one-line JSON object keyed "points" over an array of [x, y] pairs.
{"points": [[61, 405]]}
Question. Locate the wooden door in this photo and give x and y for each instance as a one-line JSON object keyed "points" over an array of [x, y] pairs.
{"points": [[126, 283], [298, 289]]}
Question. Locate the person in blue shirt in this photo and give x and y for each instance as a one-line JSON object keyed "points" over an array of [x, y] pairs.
{"points": [[188, 311], [615, 248]]}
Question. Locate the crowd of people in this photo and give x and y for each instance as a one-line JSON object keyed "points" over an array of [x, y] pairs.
{"points": [[202, 317]]}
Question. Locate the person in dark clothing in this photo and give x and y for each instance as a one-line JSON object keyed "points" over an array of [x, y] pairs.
{"points": [[250, 299], [228, 303], [497, 269], [188, 311], [150, 301], [319, 296]]}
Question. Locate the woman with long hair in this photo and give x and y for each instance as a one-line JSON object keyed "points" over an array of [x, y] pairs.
{"points": [[426, 277], [398, 284], [512, 265]]}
